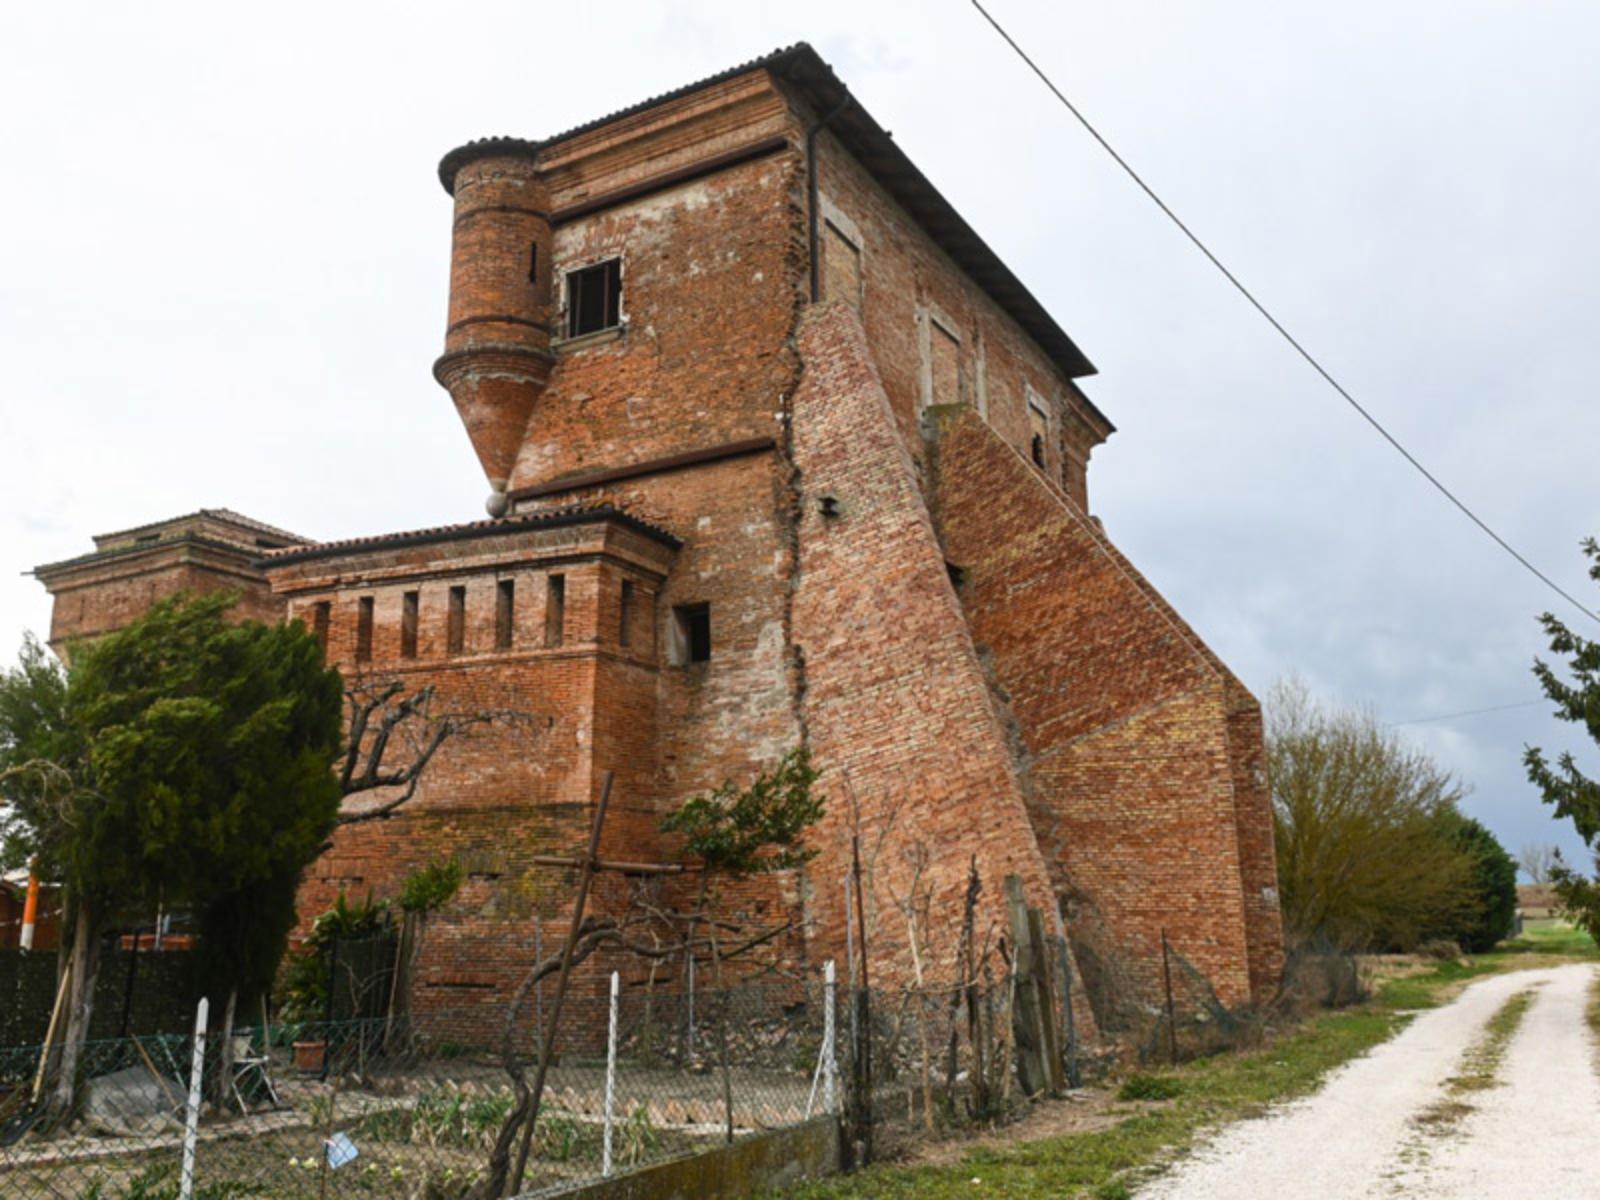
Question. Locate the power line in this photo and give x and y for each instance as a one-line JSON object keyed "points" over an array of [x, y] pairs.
{"points": [[1471, 712], [1278, 325]]}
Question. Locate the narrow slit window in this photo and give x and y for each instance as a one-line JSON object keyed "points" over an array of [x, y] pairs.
{"points": [[364, 630], [594, 298], [533, 264], [1039, 426], [692, 630], [321, 618], [555, 609], [505, 613], [455, 634], [625, 614], [408, 624]]}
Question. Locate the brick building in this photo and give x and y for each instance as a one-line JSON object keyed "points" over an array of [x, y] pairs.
{"points": [[779, 453]]}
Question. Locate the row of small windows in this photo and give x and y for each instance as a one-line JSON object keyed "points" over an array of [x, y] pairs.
{"points": [[455, 635], [691, 628]]}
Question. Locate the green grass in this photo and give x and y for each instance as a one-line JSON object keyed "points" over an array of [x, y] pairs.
{"points": [[1544, 942], [1102, 1165]]}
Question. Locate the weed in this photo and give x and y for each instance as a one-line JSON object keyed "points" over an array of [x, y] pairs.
{"points": [[1150, 1087]]}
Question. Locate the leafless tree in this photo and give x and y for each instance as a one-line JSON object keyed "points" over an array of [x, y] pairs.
{"points": [[1537, 859], [393, 733]]}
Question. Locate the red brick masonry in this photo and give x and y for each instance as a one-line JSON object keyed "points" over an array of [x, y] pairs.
{"points": [[882, 498]]}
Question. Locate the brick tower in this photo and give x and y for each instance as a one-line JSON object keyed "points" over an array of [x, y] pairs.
{"points": [[497, 357]]}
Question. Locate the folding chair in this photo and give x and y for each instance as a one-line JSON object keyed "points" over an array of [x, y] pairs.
{"points": [[250, 1068]]}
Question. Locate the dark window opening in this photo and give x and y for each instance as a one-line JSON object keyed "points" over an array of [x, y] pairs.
{"points": [[625, 614], [321, 617], [533, 264], [408, 624], [364, 630], [693, 627], [455, 634], [505, 610], [594, 298], [555, 609], [1036, 448]]}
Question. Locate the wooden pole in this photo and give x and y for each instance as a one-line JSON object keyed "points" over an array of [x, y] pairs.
{"points": [[863, 1009], [585, 877], [1172, 1017]]}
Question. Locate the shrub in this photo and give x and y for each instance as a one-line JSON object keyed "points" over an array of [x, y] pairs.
{"points": [[1150, 1087]]}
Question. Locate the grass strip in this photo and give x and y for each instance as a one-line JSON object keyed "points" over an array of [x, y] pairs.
{"points": [[1209, 1092]]}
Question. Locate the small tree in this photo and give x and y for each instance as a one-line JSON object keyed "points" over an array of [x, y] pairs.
{"points": [[183, 757], [1489, 909], [1574, 795], [1365, 850], [1538, 860]]}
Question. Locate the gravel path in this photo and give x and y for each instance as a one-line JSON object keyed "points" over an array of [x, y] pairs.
{"points": [[1355, 1138]]}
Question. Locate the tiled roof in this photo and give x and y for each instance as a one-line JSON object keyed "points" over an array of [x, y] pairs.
{"points": [[571, 514]]}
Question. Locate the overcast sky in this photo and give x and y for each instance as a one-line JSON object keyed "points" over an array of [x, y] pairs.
{"points": [[223, 272]]}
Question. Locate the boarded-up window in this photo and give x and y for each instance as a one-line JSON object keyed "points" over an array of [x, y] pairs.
{"points": [[364, 630], [945, 355], [321, 618], [408, 625], [505, 613], [841, 267], [455, 633], [625, 614], [555, 609]]}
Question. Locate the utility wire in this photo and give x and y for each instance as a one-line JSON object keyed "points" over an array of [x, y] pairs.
{"points": [[1471, 712], [1277, 325]]}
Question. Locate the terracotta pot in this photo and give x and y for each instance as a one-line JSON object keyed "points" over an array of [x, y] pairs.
{"points": [[309, 1056]]}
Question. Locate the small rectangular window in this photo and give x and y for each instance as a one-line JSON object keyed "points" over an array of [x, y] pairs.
{"points": [[946, 364], [555, 609], [408, 624], [594, 298], [455, 634], [1039, 433], [625, 614], [505, 610], [364, 630], [692, 633]]}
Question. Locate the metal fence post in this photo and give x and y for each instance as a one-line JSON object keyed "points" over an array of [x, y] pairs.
{"points": [[191, 1121], [611, 1077], [689, 1028]]}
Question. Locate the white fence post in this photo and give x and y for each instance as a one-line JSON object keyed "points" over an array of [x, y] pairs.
{"points": [[826, 1073], [191, 1123], [611, 1078], [830, 1063]]}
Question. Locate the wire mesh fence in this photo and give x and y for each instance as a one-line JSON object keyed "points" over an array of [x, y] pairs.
{"points": [[379, 1107], [412, 1108]]}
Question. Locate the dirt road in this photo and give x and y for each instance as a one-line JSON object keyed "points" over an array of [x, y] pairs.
{"points": [[1394, 1124]]}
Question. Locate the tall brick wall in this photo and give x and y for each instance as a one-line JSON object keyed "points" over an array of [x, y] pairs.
{"points": [[1144, 752], [498, 795], [914, 300], [897, 706]]}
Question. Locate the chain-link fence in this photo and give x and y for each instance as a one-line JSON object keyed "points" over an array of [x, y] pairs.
{"points": [[378, 1107], [384, 1107]]}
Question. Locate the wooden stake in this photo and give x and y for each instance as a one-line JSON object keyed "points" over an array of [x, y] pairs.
{"points": [[585, 877]]}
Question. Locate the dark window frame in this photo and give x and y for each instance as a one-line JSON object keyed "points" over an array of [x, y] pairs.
{"points": [[692, 633], [594, 298]]}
